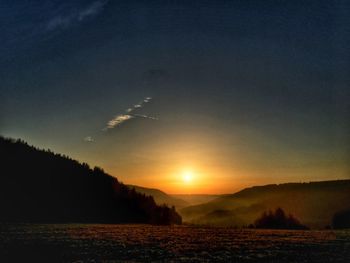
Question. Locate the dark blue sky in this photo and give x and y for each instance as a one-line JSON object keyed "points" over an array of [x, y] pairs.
{"points": [[244, 91]]}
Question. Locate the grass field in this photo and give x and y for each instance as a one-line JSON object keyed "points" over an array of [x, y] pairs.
{"points": [[137, 243]]}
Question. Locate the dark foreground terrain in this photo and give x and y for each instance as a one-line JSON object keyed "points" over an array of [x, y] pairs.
{"points": [[116, 243]]}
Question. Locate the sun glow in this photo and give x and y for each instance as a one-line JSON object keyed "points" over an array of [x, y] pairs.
{"points": [[187, 176]]}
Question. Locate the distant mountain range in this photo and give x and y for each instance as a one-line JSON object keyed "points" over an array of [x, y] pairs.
{"points": [[40, 186], [196, 199], [178, 200], [314, 203]]}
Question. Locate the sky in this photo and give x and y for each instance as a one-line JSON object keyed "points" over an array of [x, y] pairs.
{"points": [[183, 96]]}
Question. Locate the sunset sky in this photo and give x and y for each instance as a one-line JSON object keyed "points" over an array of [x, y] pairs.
{"points": [[184, 96]]}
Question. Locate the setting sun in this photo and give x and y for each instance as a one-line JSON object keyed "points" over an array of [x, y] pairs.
{"points": [[187, 176]]}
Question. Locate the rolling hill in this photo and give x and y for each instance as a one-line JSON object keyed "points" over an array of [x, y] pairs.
{"points": [[314, 203], [196, 199], [160, 197], [40, 186]]}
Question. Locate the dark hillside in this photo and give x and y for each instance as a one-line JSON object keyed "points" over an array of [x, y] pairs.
{"points": [[40, 186]]}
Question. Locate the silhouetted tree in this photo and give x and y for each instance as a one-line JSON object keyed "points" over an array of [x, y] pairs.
{"points": [[278, 220], [341, 220]]}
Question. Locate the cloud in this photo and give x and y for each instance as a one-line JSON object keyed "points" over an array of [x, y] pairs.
{"points": [[117, 120], [121, 118], [57, 22], [91, 10], [65, 20], [146, 117], [88, 139]]}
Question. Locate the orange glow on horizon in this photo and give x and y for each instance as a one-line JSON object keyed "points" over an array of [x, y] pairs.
{"points": [[200, 164]]}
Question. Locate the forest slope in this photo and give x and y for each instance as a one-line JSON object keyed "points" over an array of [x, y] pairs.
{"points": [[40, 186]]}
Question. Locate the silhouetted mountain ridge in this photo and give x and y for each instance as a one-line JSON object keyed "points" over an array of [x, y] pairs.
{"points": [[41, 186]]}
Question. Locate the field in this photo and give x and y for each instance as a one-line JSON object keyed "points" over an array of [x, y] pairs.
{"points": [[136, 243]]}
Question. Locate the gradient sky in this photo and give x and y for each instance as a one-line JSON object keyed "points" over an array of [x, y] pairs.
{"points": [[243, 92]]}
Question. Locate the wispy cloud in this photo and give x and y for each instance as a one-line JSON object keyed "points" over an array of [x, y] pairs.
{"points": [[117, 120], [88, 139], [129, 114], [145, 116], [65, 20]]}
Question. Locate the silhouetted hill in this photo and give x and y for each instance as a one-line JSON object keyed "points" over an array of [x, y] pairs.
{"points": [[160, 197], [40, 186], [313, 203]]}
